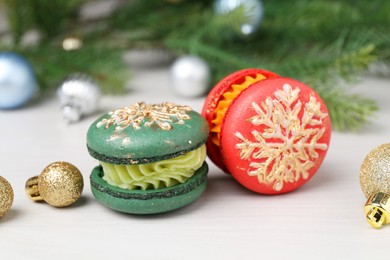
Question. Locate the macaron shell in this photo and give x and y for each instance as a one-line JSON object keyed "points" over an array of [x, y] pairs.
{"points": [[147, 144], [280, 153], [224, 84], [148, 201], [215, 96]]}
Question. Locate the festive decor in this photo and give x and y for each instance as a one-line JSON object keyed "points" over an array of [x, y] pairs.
{"points": [[375, 183], [17, 81], [271, 133], [6, 196], [152, 157], [323, 44], [190, 76], [159, 115], [252, 9], [60, 185], [79, 96], [72, 43]]}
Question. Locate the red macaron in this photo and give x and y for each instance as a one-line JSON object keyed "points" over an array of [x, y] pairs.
{"points": [[269, 132], [213, 99]]}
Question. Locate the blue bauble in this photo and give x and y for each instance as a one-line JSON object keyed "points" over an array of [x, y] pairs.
{"points": [[17, 81], [253, 10]]}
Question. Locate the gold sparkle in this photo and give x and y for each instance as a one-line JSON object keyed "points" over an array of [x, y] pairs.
{"points": [[375, 171], [6, 196], [161, 115], [60, 184], [284, 151]]}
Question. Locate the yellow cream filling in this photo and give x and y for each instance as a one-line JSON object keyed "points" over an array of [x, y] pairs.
{"points": [[155, 175], [223, 105]]}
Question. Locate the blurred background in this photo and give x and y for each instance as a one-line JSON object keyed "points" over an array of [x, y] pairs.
{"points": [[82, 49]]}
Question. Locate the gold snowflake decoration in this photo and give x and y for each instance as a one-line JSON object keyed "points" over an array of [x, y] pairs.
{"points": [[284, 150], [138, 114]]}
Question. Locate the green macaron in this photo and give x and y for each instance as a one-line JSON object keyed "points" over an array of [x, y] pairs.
{"points": [[152, 157]]}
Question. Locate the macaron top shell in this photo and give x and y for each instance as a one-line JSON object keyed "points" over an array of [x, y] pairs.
{"points": [[275, 135], [144, 133], [217, 94]]}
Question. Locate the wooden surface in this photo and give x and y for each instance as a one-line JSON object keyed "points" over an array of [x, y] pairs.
{"points": [[322, 220]]}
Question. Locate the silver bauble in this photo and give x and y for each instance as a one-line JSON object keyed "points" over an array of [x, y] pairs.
{"points": [[79, 95], [190, 76], [253, 10]]}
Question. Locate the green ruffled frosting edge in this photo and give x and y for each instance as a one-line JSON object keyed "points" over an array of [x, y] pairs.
{"points": [[156, 175]]}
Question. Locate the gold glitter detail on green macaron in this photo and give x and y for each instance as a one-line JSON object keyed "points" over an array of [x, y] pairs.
{"points": [[375, 171], [162, 115]]}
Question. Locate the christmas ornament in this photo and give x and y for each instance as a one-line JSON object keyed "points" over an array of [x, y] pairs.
{"points": [[253, 11], [72, 43], [152, 157], [17, 81], [79, 96], [271, 133], [60, 185], [375, 183], [190, 76], [6, 196]]}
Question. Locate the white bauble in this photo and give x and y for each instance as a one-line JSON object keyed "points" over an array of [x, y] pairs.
{"points": [[190, 76]]}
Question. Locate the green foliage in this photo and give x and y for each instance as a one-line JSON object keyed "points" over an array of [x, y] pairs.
{"points": [[19, 17], [348, 111], [51, 24], [53, 64], [323, 43], [49, 16]]}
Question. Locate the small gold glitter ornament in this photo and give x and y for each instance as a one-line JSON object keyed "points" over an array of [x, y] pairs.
{"points": [[375, 183], [6, 196], [60, 184]]}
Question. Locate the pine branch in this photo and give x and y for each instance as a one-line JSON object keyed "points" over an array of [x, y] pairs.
{"points": [[19, 17], [323, 43], [219, 60], [170, 18], [52, 64], [348, 112], [47, 16], [218, 28], [42, 14], [214, 30]]}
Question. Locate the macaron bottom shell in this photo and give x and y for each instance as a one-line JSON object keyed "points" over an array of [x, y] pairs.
{"points": [[148, 201]]}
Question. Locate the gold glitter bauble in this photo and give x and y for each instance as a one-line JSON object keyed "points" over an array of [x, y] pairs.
{"points": [[375, 171], [6, 196], [60, 184]]}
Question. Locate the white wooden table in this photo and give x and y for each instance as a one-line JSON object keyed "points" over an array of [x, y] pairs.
{"points": [[322, 220]]}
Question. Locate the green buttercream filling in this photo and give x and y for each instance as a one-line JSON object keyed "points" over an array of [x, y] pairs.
{"points": [[155, 175]]}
